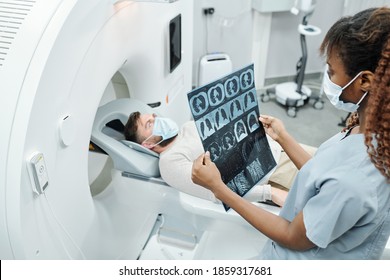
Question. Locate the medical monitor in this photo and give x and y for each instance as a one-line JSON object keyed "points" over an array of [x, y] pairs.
{"points": [[174, 42]]}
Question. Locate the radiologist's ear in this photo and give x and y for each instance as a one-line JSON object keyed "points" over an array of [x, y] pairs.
{"points": [[366, 81]]}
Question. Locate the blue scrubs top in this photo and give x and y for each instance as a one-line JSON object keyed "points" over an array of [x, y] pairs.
{"points": [[345, 202]]}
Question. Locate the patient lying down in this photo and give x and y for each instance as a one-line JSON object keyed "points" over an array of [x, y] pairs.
{"points": [[179, 148]]}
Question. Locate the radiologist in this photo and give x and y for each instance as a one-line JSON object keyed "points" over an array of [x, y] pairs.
{"points": [[178, 148], [339, 204]]}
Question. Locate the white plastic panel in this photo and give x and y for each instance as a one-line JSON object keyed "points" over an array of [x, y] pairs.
{"points": [[267, 6]]}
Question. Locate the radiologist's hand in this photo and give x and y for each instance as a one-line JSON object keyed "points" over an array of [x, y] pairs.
{"points": [[206, 173], [276, 130], [273, 127]]}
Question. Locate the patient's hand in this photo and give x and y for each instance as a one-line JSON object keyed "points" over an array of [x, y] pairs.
{"points": [[278, 196]]}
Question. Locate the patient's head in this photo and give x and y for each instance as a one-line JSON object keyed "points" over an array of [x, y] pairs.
{"points": [[140, 128]]}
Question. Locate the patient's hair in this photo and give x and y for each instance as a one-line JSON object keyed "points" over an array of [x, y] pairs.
{"points": [[131, 129], [363, 43]]}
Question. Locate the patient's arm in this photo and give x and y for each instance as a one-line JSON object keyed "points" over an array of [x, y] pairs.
{"points": [[175, 169]]}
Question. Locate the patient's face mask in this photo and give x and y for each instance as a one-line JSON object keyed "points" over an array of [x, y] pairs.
{"points": [[334, 91], [164, 127]]}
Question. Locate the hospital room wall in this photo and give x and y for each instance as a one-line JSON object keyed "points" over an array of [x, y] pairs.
{"points": [[229, 30], [285, 49]]}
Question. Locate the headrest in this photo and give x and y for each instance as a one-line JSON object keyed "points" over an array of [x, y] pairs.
{"points": [[140, 148], [126, 155]]}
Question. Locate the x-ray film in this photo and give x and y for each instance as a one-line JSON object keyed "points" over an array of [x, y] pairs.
{"points": [[226, 115]]}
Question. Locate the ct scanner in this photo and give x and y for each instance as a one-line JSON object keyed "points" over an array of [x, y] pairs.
{"points": [[60, 61]]}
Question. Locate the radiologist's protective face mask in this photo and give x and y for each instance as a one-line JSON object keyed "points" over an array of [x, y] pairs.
{"points": [[164, 127], [334, 91]]}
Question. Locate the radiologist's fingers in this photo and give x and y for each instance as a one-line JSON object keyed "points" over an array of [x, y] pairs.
{"points": [[206, 158], [199, 161], [265, 119]]}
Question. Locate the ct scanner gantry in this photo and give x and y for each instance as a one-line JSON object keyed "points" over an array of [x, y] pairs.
{"points": [[56, 59]]}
